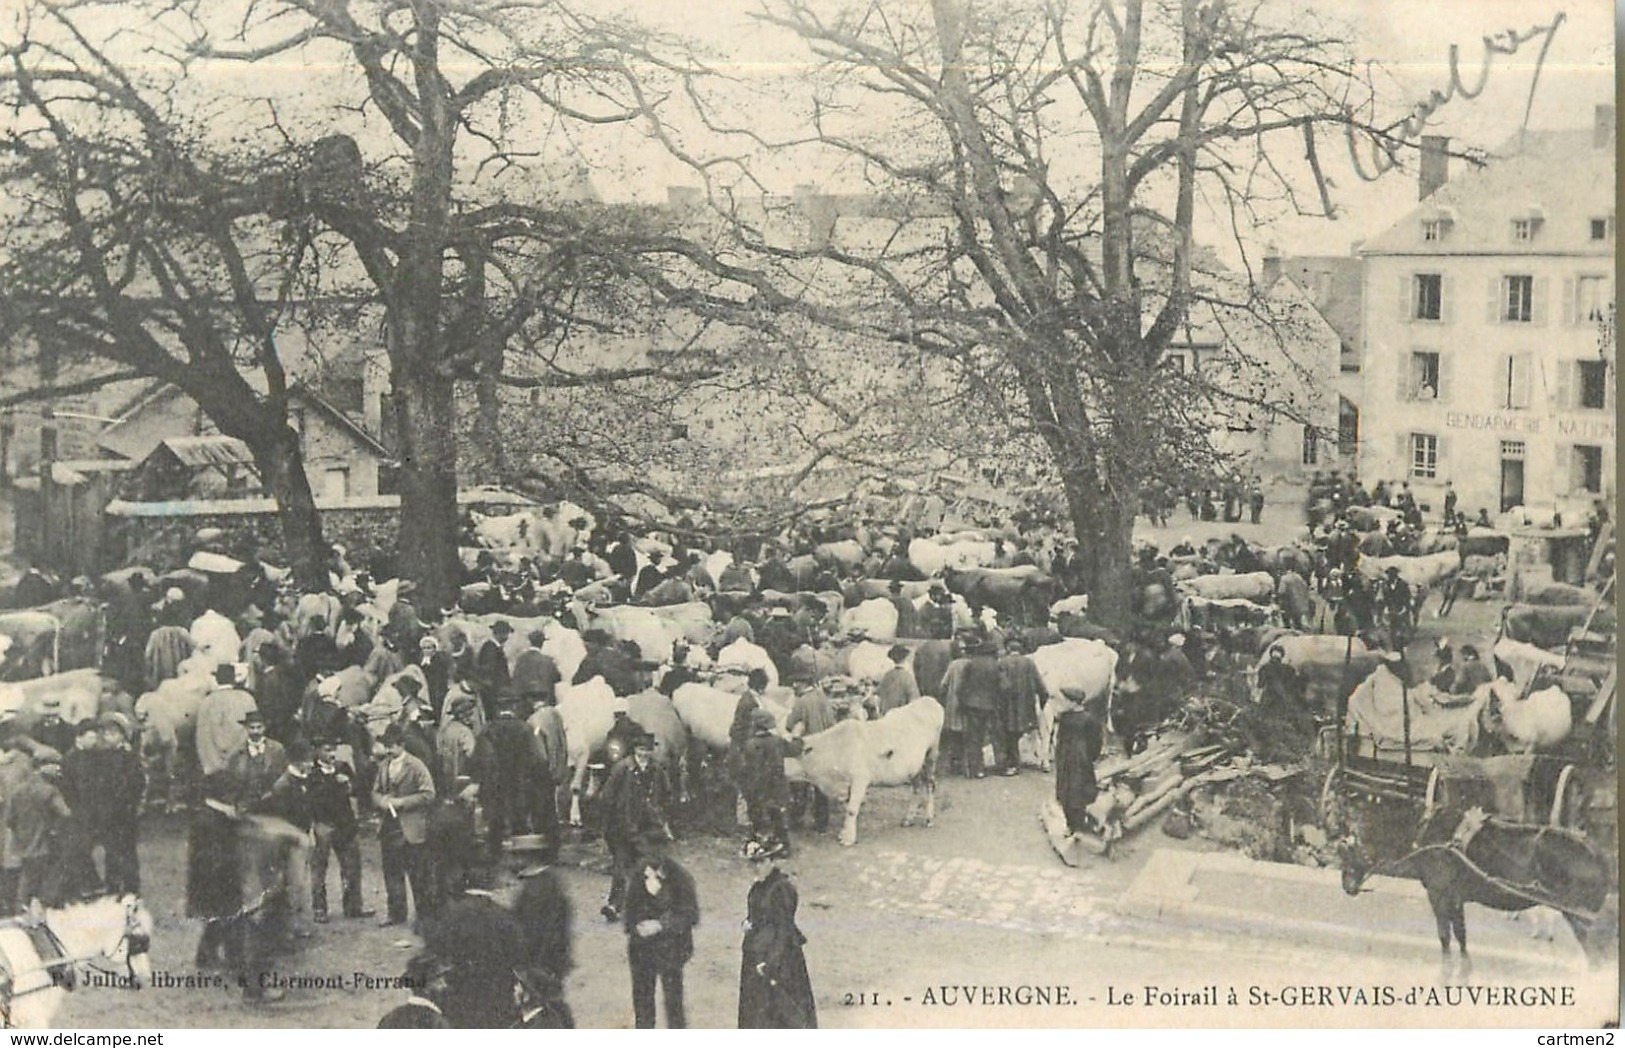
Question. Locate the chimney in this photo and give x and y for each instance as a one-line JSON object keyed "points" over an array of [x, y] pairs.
{"points": [[1435, 167], [1602, 128]]}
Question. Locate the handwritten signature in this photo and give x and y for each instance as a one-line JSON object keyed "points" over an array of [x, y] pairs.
{"points": [[1384, 143]]}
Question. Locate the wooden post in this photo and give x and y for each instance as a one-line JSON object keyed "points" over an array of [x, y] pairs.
{"points": [[1343, 697], [1405, 708], [44, 556]]}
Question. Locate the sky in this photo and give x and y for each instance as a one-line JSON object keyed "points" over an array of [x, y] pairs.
{"points": [[1410, 39]]}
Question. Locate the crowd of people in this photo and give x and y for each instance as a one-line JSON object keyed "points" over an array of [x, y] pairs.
{"points": [[334, 718]]}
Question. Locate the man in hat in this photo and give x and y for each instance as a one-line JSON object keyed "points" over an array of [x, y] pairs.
{"points": [[220, 727], [766, 790], [36, 817], [937, 617], [402, 794], [545, 915], [52, 730], [516, 789], [971, 697], [608, 660], [126, 782], [88, 789], [491, 666], [679, 672], [898, 687], [1394, 598], [1444, 661], [455, 741], [1278, 682], [547, 726], [254, 767], [662, 908], [1021, 693], [333, 788], [316, 650], [423, 1010], [279, 693], [633, 806], [535, 673]]}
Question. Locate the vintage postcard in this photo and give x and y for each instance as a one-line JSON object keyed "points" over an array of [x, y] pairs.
{"points": [[807, 513]]}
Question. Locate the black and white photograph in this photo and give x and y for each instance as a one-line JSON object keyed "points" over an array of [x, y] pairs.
{"points": [[794, 514]]}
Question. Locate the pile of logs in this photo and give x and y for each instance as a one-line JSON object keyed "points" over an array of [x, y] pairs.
{"points": [[1135, 791]]}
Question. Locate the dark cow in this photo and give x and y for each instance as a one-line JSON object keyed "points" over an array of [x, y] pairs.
{"points": [[1548, 627]]}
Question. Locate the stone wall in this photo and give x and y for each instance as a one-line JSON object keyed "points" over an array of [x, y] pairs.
{"points": [[167, 541]]}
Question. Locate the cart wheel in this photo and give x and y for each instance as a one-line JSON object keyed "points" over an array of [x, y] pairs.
{"points": [[1328, 799], [1560, 797]]}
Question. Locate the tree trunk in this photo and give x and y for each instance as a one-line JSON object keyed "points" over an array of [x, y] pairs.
{"points": [[1104, 527], [282, 472], [424, 416]]}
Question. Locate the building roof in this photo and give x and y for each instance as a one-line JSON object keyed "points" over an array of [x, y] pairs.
{"points": [[199, 452], [1563, 179], [1333, 284], [299, 393]]}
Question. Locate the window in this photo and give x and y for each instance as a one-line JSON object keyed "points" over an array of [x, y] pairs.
{"points": [[1311, 446], [1512, 381], [1590, 298], [1599, 229], [1428, 302], [1424, 455], [1433, 229], [1512, 449], [1424, 376], [1586, 469], [1523, 229], [1518, 299], [1593, 375], [336, 483]]}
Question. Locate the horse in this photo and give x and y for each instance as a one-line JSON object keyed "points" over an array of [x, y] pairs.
{"points": [[48, 953], [1463, 856]]}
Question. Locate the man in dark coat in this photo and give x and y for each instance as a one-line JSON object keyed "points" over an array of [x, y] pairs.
{"points": [[1278, 682], [402, 794], [423, 1010], [633, 807], [775, 991], [516, 788], [491, 667], [88, 788], [908, 616], [1078, 740], [606, 659], [535, 675], [332, 790], [936, 619], [766, 790], [1021, 693], [680, 673], [971, 689], [544, 913], [315, 651], [774, 574], [126, 781], [662, 908]]}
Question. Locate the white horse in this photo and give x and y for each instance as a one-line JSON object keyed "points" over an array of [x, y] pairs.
{"points": [[104, 942]]}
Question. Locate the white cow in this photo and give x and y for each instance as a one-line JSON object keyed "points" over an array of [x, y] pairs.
{"points": [[1540, 721], [693, 619], [215, 638], [587, 712], [934, 555], [716, 563], [708, 711], [845, 760], [1087, 669], [653, 634], [1256, 586], [875, 619], [1422, 573]]}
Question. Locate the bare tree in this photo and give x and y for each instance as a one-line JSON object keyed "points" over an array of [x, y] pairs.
{"points": [[1069, 146], [134, 244]]}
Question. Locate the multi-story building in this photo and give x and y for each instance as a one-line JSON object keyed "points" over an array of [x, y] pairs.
{"points": [[1487, 321]]}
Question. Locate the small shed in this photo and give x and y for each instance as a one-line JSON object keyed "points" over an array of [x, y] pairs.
{"points": [[192, 468]]}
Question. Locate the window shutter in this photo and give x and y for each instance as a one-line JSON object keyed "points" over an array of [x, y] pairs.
{"points": [[1407, 297], [1520, 380], [1571, 304], [1567, 379], [1542, 290], [1442, 443], [1404, 440], [1445, 383], [1447, 298], [1403, 390], [1492, 315]]}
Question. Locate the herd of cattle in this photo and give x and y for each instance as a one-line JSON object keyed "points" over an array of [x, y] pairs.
{"points": [[849, 632]]}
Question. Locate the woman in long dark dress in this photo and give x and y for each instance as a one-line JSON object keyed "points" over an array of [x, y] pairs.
{"points": [[775, 992], [1078, 739], [214, 890]]}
